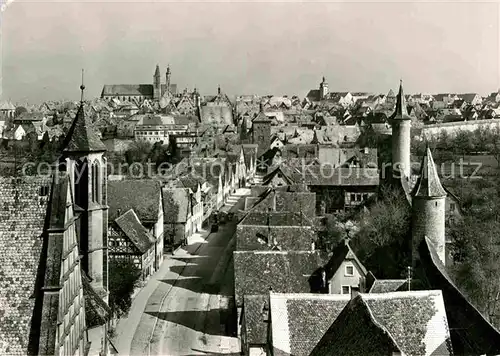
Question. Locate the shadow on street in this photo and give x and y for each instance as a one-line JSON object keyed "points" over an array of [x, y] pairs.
{"points": [[191, 320]]}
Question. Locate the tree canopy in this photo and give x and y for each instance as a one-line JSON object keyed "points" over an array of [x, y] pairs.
{"points": [[124, 278]]}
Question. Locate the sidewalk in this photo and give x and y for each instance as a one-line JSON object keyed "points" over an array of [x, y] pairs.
{"points": [[126, 326]]}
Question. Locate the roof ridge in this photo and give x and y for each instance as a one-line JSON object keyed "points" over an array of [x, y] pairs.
{"points": [[376, 322]]}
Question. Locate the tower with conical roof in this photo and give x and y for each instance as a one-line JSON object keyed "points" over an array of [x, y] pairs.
{"points": [[84, 161], [323, 89], [401, 128], [428, 210], [157, 84]]}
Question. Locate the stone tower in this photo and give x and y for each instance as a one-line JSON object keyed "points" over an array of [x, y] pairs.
{"points": [[167, 85], [84, 160], [157, 84], [401, 127], [428, 209], [261, 131], [323, 89]]}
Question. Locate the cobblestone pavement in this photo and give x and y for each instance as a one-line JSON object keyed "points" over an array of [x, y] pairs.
{"points": [[183, 309]]}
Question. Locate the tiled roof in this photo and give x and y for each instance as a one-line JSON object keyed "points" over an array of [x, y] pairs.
{"points": [[217, 114], [7, 106], [412, 323], [22, 218], [255, 324], [285, 272], [387, 285], [284, 201], [250, 238], [131, 226], [467, 97], [143, 196], [127, 89], [176, 204], [97, 312], [299, 321], [327, 175], [471, 333], [275, 219], [337, 156], [428, 184], [81, 136]]}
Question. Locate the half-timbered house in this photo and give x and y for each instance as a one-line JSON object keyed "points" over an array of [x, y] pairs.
{"points": [[129, 239]]}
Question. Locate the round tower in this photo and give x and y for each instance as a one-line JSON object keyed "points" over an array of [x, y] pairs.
{"points": [[401, 129], [428, 210]]}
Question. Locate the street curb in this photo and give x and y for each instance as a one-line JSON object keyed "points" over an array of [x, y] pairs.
{"points": [[226, 257], [165, 297]]}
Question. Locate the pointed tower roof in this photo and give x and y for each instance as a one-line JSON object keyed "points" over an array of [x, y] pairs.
{"points": [[157, 71], [391, 94], [428, 184], [168, 69], [81, 136], [401, 113]]}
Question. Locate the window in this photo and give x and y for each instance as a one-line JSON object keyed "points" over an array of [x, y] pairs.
{"points": [[452, 206], [349, 270], [346, 289], [353, 197]]}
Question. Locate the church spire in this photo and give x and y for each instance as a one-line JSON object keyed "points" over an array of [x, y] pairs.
{"points": [[81, 136], [401, 113], [157, 71], [82, 88]]}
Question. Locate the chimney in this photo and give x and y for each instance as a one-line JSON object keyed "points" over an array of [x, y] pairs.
{"points": [[265, 312], [354, 292], [119, 212]]}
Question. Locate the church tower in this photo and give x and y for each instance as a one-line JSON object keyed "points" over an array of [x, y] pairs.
{"points": [[167, 86], [323, 89], [84, 161], [157, 84], [401, 127], [428, 209], [261, 131]]}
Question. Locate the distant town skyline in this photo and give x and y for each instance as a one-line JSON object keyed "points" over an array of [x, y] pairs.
{"points": [[249, 48]]}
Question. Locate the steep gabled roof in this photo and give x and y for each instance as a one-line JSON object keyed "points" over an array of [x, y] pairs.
{"points": [[81, 136], [255, 323], [131, 226], [471, 333], [283, 271], [341, 253], [299, 321], [143, 196], [428, 184], [412, 323], [22, 221]]}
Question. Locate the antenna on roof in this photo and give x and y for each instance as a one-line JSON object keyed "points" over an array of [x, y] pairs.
{"points": [[82, 88]]}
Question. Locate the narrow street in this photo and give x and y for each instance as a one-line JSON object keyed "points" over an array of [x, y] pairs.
{"points": [[186, 312]]}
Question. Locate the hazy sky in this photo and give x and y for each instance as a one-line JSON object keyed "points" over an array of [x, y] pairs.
{"points": [[264, 48]]}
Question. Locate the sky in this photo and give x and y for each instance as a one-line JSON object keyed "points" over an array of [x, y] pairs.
{"points": [[280, 48]]}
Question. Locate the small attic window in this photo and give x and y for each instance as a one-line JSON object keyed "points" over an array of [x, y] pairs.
{"points": [[44, 191]]}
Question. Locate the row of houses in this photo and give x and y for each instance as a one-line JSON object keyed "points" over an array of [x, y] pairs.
{"points": [[294, 297]]}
